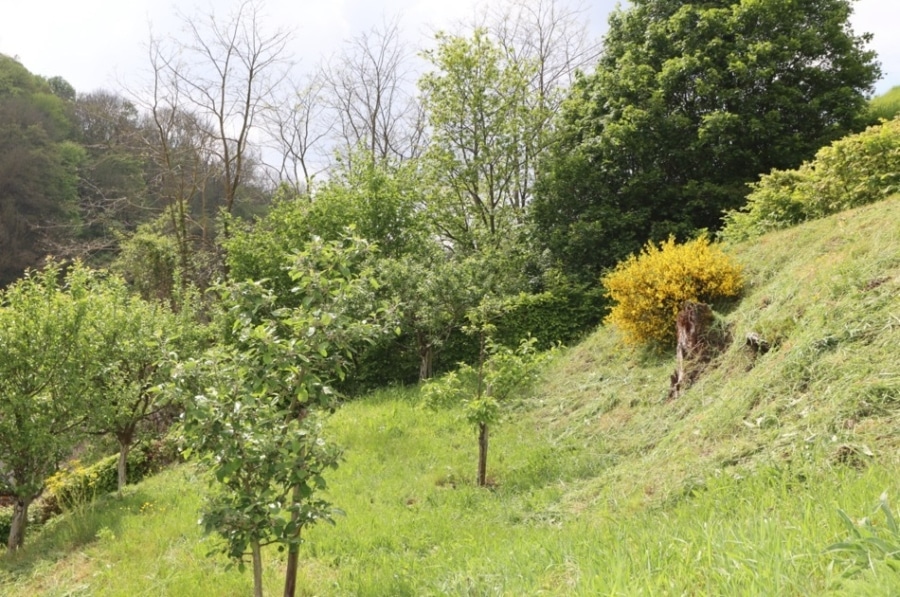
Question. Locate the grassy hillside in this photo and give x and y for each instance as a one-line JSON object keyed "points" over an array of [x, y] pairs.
{"points": [[600, 484]]}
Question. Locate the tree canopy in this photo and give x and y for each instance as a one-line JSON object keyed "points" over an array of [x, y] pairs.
{"points": [[689, 103]]}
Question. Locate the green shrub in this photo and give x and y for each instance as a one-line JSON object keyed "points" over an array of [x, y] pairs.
{"points": [[886, 106], [76, 484], [650, 289], [853, 171]]}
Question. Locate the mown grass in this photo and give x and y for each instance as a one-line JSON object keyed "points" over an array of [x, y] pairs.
{"points": [[600, 485]]}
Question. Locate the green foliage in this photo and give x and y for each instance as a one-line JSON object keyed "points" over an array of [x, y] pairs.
{"points": [[691, 101], [885, 106], [651, 288], [135, 344], [38, 170], [254, 416], [869, 542], [41, 383], [563, 313], [378, 200], [75, 484], [852, 171], [486, 132], [483, 389], [148, 259]]}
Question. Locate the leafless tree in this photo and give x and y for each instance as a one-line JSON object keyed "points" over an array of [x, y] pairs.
{"points": [[180, 148], [553, 35], [228, 70], [372, 97], [299, 131]]}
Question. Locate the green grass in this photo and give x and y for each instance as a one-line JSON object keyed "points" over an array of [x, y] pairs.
{"points": [[600, 485]]}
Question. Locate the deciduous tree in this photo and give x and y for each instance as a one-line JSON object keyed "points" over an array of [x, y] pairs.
{"points": [[42, 358], [691, 101], [254, 421]]}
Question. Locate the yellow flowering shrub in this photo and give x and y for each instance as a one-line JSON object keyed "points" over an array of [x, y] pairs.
{"points": [[650, 289]]}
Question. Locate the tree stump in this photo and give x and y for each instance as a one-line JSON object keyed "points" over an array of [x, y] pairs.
{"points": [[693, 348]]}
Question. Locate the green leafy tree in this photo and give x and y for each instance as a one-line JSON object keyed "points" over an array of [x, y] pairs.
{"points": [[254, 420], [38, 171], [42, 358], [435, 289], [486, 131], [483, 388], [886, 105], [379, 200], [133, 343], [691, 101]]}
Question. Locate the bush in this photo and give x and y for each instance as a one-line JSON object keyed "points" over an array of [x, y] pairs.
{"points": [[886, 106], [649, 289], [78, 484], [853, 171]]}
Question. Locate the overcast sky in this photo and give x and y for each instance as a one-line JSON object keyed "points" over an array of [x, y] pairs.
{"points": [[102, 43]]}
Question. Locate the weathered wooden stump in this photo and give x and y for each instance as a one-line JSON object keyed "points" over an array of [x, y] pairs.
{"points": [[693, 349]]}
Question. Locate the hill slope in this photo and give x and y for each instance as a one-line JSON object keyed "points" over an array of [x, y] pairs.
{"points": [[601, 484], [826, 296]]}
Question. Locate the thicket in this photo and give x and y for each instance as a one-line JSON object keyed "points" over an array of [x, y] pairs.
{"points": [[650, 289], [852, 171]]}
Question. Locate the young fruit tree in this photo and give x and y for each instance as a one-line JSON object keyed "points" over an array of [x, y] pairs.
{"points": [[255, 418], [484, 388], [42, 358], [135, 343]]}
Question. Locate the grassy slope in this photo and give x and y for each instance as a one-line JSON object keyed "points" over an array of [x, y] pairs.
{"points": [[602, 486]]}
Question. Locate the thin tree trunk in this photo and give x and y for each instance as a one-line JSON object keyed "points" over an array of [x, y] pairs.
{"points": [[426, 358], [124, 436], [19, 522], [123, 465], [257, 569], [482, 454], [290, 575], [693, 348]]}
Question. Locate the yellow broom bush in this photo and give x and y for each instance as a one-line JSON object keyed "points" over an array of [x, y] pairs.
{"points": [[650, 289]]}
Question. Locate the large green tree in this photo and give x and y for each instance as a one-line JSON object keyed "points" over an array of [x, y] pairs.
{"points": [[486, 131], [134, 344], [691, 101]]}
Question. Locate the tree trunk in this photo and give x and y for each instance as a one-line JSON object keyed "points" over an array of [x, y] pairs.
{"points": [[482, 454], [123, 467], [19, 522], [426, 360], [257, 569], [293, 556], [692, 328], [124, 438]]}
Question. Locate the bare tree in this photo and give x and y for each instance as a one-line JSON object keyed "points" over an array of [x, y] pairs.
{"points": [[179, 145], [229, 69], [551, 34], [372, 98], [299, 130]]}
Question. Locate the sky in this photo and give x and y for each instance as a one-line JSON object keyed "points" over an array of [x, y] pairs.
{"points": [[97, 44]]}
